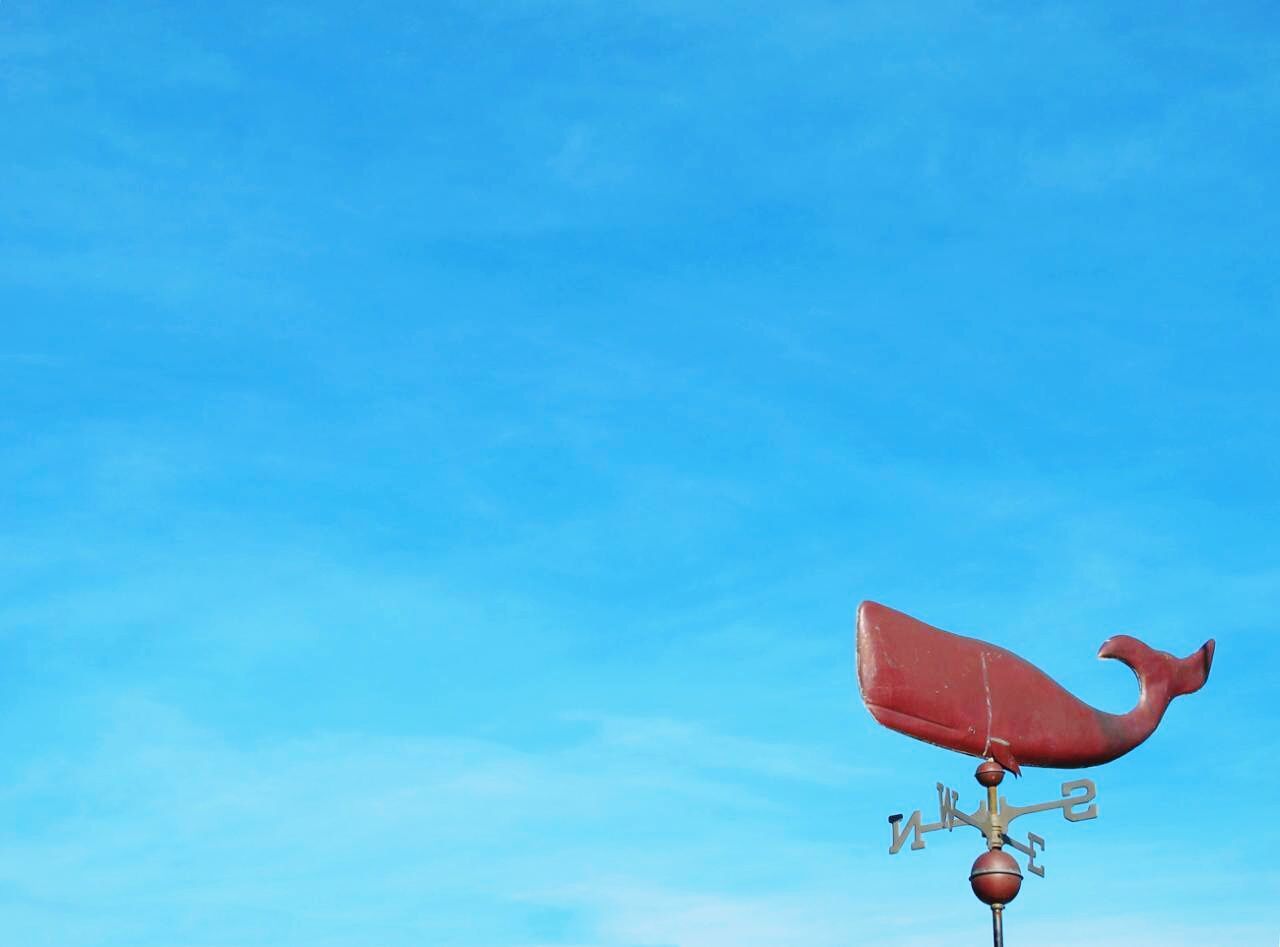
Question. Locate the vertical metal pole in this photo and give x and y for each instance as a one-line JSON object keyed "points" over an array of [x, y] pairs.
{"points": [[993, 813], [997, 925]]}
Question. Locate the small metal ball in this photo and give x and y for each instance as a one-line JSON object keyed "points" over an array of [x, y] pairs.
{"points": [[995, 877], [989, 773]]}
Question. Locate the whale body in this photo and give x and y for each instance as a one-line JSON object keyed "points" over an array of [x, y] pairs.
{"points": [[977, 698]]}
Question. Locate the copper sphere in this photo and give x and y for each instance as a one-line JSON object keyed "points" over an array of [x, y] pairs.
{"points": [[989, 773], [995, 877]]}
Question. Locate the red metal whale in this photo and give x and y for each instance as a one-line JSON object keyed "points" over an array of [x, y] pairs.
{"points": [[973, 697]]}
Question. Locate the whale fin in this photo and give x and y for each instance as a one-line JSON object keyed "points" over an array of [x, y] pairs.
{"points": [[1191, 672], [1002, 754]]}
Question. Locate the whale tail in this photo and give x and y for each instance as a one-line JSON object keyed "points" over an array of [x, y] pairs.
{"points": [[1158, 671], [1191, 672]]}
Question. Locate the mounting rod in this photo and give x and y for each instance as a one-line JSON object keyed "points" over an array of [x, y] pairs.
{"points": [[995, 876]]}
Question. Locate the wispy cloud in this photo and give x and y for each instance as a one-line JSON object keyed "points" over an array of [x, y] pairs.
{"points": [[168, 817]]}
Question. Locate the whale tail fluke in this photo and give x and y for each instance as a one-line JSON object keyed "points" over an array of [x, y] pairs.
{"points": [[1191, 672], [1162, 676]]}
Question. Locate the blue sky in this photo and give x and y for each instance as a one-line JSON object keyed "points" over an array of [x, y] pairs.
{"points": [[446, 444]]}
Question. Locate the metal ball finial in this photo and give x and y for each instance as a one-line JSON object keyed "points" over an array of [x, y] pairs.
{"points": [[989, 773], [995, 877]]}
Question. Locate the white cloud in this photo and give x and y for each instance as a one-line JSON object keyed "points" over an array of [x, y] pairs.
{"points": [[165, 814]]}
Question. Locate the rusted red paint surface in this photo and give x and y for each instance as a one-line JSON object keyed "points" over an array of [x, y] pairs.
{"points": [[973, 697]]}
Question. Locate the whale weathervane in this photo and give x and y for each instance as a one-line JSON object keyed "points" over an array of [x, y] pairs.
{"points": [[976, 698]]}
